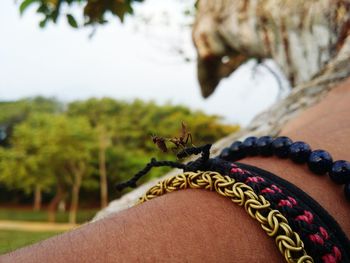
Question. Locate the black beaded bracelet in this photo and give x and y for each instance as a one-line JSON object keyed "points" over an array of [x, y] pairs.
{"points": [[319, 161]]}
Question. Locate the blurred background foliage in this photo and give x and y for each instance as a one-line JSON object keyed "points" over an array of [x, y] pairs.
{"points": [[94, 11], [53, 153]]}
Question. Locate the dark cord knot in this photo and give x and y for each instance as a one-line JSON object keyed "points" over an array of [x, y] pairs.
{"points": [[200, 164]]}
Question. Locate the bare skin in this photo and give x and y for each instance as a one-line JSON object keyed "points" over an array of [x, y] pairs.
{"points": [[200, 226]]}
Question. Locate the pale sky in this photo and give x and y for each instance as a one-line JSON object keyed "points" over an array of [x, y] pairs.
{"points": [[123, 61]]}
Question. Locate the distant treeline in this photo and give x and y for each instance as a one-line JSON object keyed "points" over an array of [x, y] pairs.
{"points": [[51, 152]]}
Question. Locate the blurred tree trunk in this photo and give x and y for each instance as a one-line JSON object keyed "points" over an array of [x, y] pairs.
{"points": [[102, 144], [52, 208], [78, 172], [37, 198]]}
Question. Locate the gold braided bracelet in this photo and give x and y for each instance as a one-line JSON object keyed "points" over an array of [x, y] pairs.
{"points": [[274, 224]]}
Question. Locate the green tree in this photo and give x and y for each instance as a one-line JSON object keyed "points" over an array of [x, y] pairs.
{"points": [[71, 155], [48, 150], [94, 142], [25, 164], [100, 113], [14, 112]]}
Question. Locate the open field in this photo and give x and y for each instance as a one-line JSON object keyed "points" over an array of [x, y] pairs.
{"points": [[22, 227], [13, 239], [41, 216]]}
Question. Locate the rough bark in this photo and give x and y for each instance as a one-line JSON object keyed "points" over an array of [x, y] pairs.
{"points": [[303, 37]]}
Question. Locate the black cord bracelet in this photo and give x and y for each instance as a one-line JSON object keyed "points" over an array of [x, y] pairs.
{"points": [[319, 162]]}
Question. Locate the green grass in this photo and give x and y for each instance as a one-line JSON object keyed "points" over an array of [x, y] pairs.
{"points": [[29, 215], [11, 239]]}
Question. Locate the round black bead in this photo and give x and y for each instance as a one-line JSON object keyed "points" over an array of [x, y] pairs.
{"points": [[299, 152], [320, 162], [236, 151], [280, 146], [347, 191], [264, 145], [225, 154], [340, 172], [249, 146]]}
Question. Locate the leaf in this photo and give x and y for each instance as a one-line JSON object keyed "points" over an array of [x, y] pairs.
{"points": [[42, 9], [42, 23], [71, 20], [25, 5], [121, 9]]}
